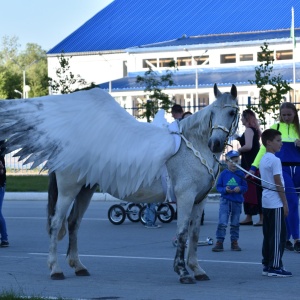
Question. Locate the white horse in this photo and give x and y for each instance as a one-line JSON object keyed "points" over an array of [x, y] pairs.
{"points": [[87, 139]]}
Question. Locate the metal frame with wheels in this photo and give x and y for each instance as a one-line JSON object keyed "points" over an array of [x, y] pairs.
{"points": [[164, 212], [117, 213]]}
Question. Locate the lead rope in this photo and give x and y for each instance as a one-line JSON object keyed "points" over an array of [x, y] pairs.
{"points": [[196, 153]]}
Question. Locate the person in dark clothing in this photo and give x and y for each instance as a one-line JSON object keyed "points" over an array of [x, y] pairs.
{"points": [[250, 145], [3, 231], [177, 112]]}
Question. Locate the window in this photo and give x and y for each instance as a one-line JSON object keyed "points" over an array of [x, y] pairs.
{"points": [[125, 72], [184, 61], [284, 54], [228, 58], [165, 62], [148, 62], [202, 60], [246, 57], [271, 55]]}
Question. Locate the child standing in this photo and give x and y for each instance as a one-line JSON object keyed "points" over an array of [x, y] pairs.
{"points": [[274, 205], [232, 185]]}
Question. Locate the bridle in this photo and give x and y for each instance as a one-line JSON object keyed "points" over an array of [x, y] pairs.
{"points": [[234, 124], [229, 132]]}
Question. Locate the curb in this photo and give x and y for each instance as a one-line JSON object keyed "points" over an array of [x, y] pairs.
{"points": [[28, 196]]}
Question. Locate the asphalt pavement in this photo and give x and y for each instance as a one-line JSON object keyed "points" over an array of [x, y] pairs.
{"points": [[131, 262]]}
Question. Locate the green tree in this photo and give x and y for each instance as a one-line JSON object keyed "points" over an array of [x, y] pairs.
{"points": [[34, 60], [67, 82], [13, 63], [155, 85], [269, 98]]}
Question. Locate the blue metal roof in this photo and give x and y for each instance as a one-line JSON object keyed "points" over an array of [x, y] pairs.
{"points": [[223, 38], [128, 23], [207, 78]]}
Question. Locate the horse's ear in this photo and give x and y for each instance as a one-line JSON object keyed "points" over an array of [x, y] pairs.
{"points": [[233, 91], [216, 91]]}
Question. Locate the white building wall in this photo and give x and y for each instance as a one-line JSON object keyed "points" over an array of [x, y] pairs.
{"points": [[97, 67]]}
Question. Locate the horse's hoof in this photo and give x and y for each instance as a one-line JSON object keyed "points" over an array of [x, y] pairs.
{"points": [[83, 272], [187, 280], [202, 277], [58, 276]]}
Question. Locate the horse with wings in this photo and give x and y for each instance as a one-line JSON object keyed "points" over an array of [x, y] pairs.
{"points": [[86, 139]]}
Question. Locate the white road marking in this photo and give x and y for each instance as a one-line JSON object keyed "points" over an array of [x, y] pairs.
{"points": [[152, 258]]}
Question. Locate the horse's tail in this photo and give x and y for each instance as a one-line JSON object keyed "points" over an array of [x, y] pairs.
{"points": [[52, 199]]}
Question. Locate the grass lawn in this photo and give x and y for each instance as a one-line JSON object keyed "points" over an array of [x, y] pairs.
{"points": [[27, 183], [34, 183]]}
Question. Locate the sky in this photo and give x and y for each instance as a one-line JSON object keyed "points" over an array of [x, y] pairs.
{"points": [[45, 22]]}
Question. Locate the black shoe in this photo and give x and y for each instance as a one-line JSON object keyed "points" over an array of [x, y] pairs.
{"points": [[246, 223], [4, 244], [297, 246], [289, 246]]}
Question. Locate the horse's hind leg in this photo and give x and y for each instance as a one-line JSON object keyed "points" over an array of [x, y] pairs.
{"points": [[62, 207], [80, 205], [194, 231], [61, 192]]}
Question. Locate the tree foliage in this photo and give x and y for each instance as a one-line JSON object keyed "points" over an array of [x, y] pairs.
{"points": [[155, 84], [272, 88], [13, 63], [67, 82]]}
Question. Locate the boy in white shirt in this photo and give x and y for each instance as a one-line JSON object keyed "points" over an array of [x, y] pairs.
{"points": [[275, 207]]}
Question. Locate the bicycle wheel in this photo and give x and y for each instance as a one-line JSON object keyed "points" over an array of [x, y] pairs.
{"points": [[142, 215], [116, 214], [133, 212], [165, 212]]}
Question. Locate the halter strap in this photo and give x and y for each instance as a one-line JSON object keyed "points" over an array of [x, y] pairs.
{"points": [[234, 125], [197, 154]]}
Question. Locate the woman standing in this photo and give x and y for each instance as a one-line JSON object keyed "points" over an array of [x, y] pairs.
{"points": [[289, 155], [250, 145]]}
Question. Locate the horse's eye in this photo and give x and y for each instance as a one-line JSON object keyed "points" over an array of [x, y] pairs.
{"points": [[232, 113]]}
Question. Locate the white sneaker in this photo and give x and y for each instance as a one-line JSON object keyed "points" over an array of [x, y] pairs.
{"points": [[154, 226]]}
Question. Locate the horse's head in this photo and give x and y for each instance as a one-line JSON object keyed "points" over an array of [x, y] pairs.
{"points": [[223, 119]]}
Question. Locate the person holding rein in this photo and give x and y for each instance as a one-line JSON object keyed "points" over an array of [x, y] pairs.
{"points": [[289, 156]]}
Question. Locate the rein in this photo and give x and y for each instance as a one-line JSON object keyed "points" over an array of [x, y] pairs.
{"points": [[256, 177], [198, 154]]}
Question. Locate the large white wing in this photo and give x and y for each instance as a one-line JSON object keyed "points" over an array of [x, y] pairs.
{"points": [[88, 132]]}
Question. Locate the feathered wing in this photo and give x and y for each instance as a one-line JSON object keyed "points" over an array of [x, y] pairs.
{"points": [[86, 132]]}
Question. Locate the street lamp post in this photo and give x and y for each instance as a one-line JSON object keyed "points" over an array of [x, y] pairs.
{"points": [[26, 88], [194, 62], [16, 91]]}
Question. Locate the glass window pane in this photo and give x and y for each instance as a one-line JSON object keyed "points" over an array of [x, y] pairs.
{"points": [[228, 58], [246, 57]]}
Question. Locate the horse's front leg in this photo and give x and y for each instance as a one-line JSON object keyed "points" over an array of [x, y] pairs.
{"points": [[56, 223], [183, 219], [80, 206], [194, 231]]}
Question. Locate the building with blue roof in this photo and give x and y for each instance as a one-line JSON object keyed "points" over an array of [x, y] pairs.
{"points": [[212, 41]]}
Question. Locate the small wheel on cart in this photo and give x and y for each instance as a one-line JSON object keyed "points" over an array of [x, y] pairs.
{"points": [[165, 212], [142, 215], [116, 214], [133, 212]]}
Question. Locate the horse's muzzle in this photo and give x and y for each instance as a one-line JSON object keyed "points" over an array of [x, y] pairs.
{"points": [[215, 145]]}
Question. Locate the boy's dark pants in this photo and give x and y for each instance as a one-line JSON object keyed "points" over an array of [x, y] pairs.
{"points": [[274, 230]]}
